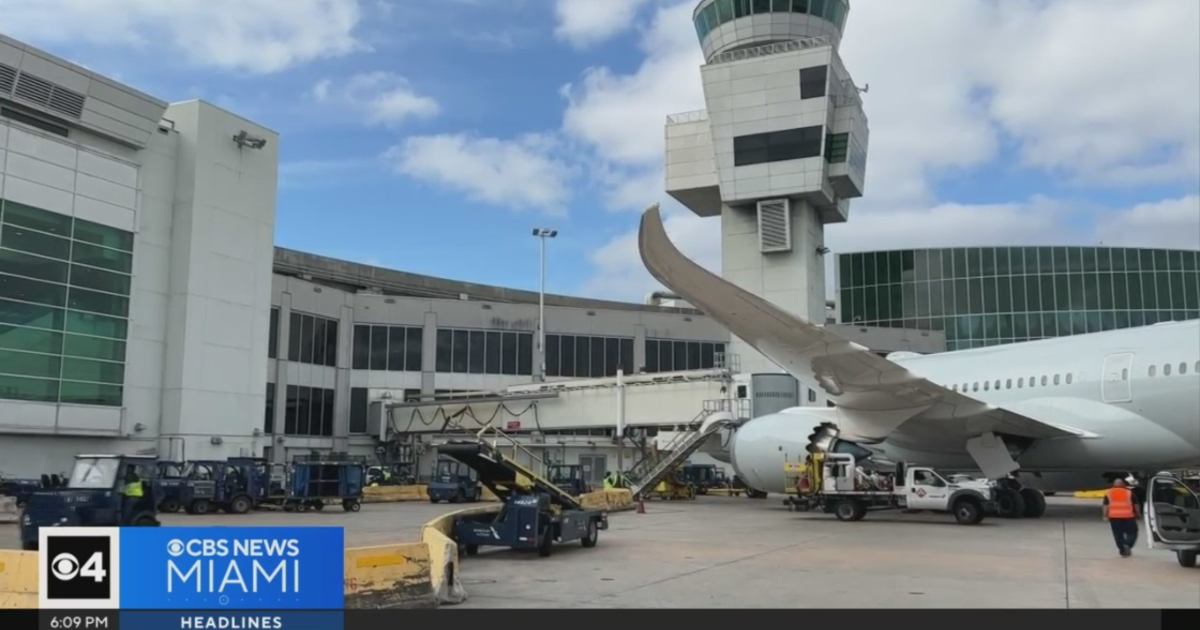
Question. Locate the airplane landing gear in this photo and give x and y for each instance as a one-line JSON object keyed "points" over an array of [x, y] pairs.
{"points": [[1035, 503], [1016, 501]]}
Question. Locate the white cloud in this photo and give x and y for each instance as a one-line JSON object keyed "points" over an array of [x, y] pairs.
{"points": [[262, 36], [383, 98], [588, 22], [517, 174], [1096, 92]]}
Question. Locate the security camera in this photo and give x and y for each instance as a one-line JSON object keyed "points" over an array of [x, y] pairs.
{"points": [[244, 139]]}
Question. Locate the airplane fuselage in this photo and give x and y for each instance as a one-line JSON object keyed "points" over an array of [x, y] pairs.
{"points": [[1135, 392]]}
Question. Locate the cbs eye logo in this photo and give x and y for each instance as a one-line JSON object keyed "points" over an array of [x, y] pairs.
{"points": [[175, 548], [78, 567]]}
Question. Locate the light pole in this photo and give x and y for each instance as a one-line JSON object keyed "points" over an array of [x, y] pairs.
{"points": [[543, 234]]}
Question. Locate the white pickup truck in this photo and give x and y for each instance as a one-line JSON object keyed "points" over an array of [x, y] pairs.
{"points": [[836, 485]]}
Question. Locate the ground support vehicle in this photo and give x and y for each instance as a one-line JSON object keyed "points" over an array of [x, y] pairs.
{"points": [[1172, 517], [534, 514], [673, 487], [837, 485], [172, 481], [92, 497], [702, 476], [320, 480], [230, 486], [19, 489], [569, 477], [453, 482]]}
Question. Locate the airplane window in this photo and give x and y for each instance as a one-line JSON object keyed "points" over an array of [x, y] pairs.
{"points": [[1167, 370], [1021, 382], [1008, 384], [997, 384], [975, 388], [1198, 367], [986, 385], [1182, 369], [1044, 380], [1125, 374], [1070, 377], [1152, 371]]}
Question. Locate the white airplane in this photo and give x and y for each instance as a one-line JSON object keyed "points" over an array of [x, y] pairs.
{"points": [[1055, 415]]}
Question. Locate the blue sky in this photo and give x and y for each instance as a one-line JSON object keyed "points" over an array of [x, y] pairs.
{"points": [[433, 136]]}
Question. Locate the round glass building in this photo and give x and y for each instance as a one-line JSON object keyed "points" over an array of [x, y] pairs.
{"points": [[986, 296]]}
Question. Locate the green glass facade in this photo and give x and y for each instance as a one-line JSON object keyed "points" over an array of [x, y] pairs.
{"points": [[64, 307], [986, 296]]}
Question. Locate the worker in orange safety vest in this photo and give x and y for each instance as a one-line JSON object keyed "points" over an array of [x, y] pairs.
{"points": [[1120, 510]]}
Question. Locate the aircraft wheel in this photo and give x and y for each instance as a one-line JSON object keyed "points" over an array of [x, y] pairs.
{"points": [[1187, 559], [1009, 503], [1035, 503]]}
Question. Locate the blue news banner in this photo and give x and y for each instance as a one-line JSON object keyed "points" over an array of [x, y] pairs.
{"points": [[231, 578]]}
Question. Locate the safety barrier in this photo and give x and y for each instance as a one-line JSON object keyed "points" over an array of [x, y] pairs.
{"points": [[400, 494], [9, 513], [389, 576], [18, 579], [438, 537]]}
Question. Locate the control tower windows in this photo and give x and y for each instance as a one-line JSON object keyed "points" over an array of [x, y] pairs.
{"points": [[761, 6], [720, 12], [813, 82], [836, 147], [777, 146]]}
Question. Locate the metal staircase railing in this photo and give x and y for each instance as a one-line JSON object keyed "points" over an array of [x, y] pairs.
{"points": [[684, 444]]}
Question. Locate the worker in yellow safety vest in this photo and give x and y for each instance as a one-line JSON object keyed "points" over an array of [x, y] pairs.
{"points": [[1120, 510], [610, 481], [131, 494]]}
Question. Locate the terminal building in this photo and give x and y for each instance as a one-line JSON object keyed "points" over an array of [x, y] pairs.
{"points": [[145, 309]]}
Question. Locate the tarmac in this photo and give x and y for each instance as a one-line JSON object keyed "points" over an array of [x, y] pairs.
{"points": [[719, 552], [726, 552]]}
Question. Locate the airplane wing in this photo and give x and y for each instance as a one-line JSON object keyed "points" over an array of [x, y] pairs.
{"points": [[876, 395]]}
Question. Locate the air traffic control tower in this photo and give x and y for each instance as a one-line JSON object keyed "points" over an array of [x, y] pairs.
{"points": [[779, 151]]}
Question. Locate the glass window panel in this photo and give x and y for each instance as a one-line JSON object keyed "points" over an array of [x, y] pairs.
{"points": [[36, 218], [508, 353], [920, 264], [1134, 282], [362, 348], [1166, 294], [307, 322], [95, 302], [612, 356], [75, 369], [741, 8], [816, 7], [106, 281], [960, 263], [493, 353], [800, 6], [1045, 258], [460, 352], [32, 315], [975, 291], [583, 354], [26, 290], [1108, 320], [1120, 291], [97, 234], [907, 298], [1046, 299], [445, 341], [1020, 326], [1162, 260], [1091, 259], [921, 292], [32, 242], [679, 355], [295, 328], [273, 334], [31, 389], [652, 365], [1074, 259], [303, 410], [1024, 260], [290, 410], [1150, 298], [597, 356], [693, 355], [1062, 292], [987, 261], [881, 268], [896, 268], [413, 351], [1078, 323], [935, 263], [1104, 292], [857, 274], [936, 299], [91, 394], [1035, 326], [94, 348], [949, 298], [552, 355], [567, 362], [331, 342], [97, 325], [318, 341], [947, 256], [991, 327], [525, 354], [394, 345], [1147, 259], [846, 302], [858, 307], [1050, 325], [724, 11], [1060, 260], [868, 263], [1191, 290], [29, 364], [1003, 295], [1020, 301], [989, 286], [974, 263], [1118, 259], [101, 257], [883, 303], [30, 266], [761, 6], [477, 346], [31, 339], [706, 356], [845, 270], [359, 404]]}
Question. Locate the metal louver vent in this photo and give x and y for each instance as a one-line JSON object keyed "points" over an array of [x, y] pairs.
{"points": [[774, 226], [8, 78], [46, 94]]}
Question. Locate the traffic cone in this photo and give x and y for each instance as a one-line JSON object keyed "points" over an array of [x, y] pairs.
{"points": [[641, 506]]}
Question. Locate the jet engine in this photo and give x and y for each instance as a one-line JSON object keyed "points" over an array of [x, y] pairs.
{"points": [[762, 447]]}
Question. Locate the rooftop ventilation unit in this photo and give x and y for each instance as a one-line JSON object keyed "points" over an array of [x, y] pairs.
{"points": [[21, 86]]}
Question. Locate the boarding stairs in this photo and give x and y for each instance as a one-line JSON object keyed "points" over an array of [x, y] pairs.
{"points": [[715, 416]]}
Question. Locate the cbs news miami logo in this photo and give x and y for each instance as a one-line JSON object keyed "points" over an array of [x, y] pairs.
{"points": [[191, 568]]}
